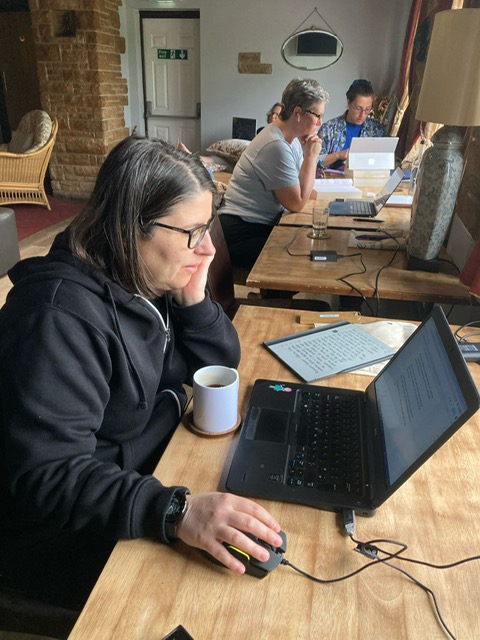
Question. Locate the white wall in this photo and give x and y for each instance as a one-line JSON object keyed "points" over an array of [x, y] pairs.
{"points": [[372, 32]]}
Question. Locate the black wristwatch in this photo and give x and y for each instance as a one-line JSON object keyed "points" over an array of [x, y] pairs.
{"points": [[175, 513]]}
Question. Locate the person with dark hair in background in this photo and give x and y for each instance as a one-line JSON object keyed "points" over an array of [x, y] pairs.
{"points": [[275, 173], [97, 339], [336, 134], [272, 115]]}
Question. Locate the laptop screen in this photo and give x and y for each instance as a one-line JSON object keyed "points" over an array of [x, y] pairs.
{"points": [[419, 398], [389, 187]]}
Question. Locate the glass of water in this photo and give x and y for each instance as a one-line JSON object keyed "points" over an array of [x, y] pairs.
{"points": [[319, 222]]}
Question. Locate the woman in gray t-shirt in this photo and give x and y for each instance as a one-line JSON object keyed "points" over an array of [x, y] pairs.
{"points": [[275, 173]]}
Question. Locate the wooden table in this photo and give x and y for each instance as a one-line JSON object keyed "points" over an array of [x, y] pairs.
{"points": [[392, 218], [276, 269], [147, 589]]}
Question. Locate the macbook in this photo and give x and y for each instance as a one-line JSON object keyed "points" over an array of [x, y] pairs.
{"points": [[335, 448], [368, 154], [364, 207]]}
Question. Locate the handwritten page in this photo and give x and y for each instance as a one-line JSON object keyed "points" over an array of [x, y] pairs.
{"points": [[328, 350]]}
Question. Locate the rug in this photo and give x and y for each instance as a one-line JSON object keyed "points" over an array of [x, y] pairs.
{"points": [[31, 218]]}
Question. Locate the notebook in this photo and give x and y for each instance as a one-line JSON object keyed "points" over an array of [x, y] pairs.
{"points": [[328, 350], [365, 207], [414, 405], [372, 153]]}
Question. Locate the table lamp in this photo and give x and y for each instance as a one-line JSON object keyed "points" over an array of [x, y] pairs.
{"points": [[449, 95]]}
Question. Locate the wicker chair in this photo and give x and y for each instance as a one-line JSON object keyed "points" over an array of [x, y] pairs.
{"points": [[22, 175]]}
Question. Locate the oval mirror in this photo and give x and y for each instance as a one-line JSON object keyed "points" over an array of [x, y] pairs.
{"points": [[312, 49]]}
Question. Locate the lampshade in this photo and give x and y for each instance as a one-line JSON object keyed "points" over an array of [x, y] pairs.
{"points": [[450, 92]]}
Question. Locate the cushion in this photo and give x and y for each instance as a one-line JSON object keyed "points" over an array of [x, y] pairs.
{"points": [[230, 149], [20, 142], [39, 123]]}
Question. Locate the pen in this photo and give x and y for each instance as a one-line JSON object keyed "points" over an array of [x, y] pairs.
{"points": [[367, 237]]}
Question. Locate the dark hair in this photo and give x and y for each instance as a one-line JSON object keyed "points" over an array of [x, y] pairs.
{"points": [[303, 94], [140, 181], [359, 88], [270, 111]]}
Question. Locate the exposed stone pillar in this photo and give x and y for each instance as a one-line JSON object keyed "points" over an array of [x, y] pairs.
{"points": [[78, 47]]}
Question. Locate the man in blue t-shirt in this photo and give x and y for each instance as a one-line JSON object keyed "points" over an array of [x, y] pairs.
{"points": [[337, 133]]}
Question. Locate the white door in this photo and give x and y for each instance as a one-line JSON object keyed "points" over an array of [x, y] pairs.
{"points": [[172, 79]]}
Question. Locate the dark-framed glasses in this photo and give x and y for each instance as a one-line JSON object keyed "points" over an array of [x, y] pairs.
{"points": [[361, 110], [318, 116], [195, 235]]}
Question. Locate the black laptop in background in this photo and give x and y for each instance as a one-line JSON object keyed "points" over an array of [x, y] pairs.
{"points": [[334, 448], [365, 207]]}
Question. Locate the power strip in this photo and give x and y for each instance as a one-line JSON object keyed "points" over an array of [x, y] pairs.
{"points": [[470, 350]]}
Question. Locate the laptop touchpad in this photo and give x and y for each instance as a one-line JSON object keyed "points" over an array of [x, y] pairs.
{"points": [[270, 425]]}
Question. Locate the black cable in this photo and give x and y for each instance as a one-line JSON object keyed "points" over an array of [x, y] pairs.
{"points": [[449, 262], [355, 273], [370, 549], [289, 244], [385, 266], [428, 591]]}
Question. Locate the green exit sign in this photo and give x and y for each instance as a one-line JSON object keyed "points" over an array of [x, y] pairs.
{"points": [[172, 54]]}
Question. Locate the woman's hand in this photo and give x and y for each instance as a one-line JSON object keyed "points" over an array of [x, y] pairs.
{"points": [[312, 145], [194, 291], [214, 518]]}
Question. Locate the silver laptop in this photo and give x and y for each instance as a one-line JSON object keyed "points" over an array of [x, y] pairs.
{"points": [[367, 154], [365, 207], [334, 448]]}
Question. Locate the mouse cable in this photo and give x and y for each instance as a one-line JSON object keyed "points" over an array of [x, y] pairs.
{"points": [[371, 550]]}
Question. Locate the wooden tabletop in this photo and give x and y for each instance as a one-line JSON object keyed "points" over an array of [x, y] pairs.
{"points": [[275, 268], [147, 589], [389, 218]]}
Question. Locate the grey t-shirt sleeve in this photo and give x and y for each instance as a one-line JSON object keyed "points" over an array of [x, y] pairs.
{"points": [[278, 164]]}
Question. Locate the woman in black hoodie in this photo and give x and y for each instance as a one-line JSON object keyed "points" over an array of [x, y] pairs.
{"points": [[96, 341]]}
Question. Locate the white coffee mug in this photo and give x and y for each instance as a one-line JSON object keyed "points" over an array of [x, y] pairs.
{"points": [[215, 399]]}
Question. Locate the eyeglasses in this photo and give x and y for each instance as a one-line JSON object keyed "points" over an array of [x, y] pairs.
{"points": [[360, 110], [318, 116], [195, 235]]}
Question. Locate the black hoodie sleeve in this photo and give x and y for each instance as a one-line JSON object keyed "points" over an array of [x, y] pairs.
{"points": [[54, 385]]}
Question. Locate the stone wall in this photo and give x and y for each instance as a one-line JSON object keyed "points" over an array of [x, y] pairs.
{"points": [[78, 47]]}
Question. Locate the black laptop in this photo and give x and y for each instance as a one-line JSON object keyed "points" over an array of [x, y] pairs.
{"points": [[337, 448], [364, 207]]}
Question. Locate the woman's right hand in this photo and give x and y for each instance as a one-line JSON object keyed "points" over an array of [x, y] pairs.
{"points": [[312, 146], [214, 518]]}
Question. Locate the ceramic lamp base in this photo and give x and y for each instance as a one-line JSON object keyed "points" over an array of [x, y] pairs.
{"points": [[435, 196]]}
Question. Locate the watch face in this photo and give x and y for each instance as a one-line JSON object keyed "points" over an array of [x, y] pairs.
{"points": [[177, 507], [174, 508]]}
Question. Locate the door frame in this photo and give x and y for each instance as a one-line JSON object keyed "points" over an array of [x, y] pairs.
{"points": [[165, 13]]}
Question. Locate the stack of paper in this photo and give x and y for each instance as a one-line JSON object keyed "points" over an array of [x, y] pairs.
{"points": [[332, 188]]}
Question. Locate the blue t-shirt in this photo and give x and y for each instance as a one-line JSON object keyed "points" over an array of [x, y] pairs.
{"points": [[352, 131]]}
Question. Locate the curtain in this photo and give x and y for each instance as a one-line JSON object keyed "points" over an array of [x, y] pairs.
{"points": [[414, 56]]}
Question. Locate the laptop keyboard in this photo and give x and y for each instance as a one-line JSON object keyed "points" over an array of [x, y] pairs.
{"points": [[359, 208], [327, 454]]}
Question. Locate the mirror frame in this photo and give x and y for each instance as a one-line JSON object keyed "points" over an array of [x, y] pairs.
{"points": [[293, 37]]}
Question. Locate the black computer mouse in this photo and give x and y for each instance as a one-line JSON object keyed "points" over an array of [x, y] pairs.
{"points": [[254, 567]]}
